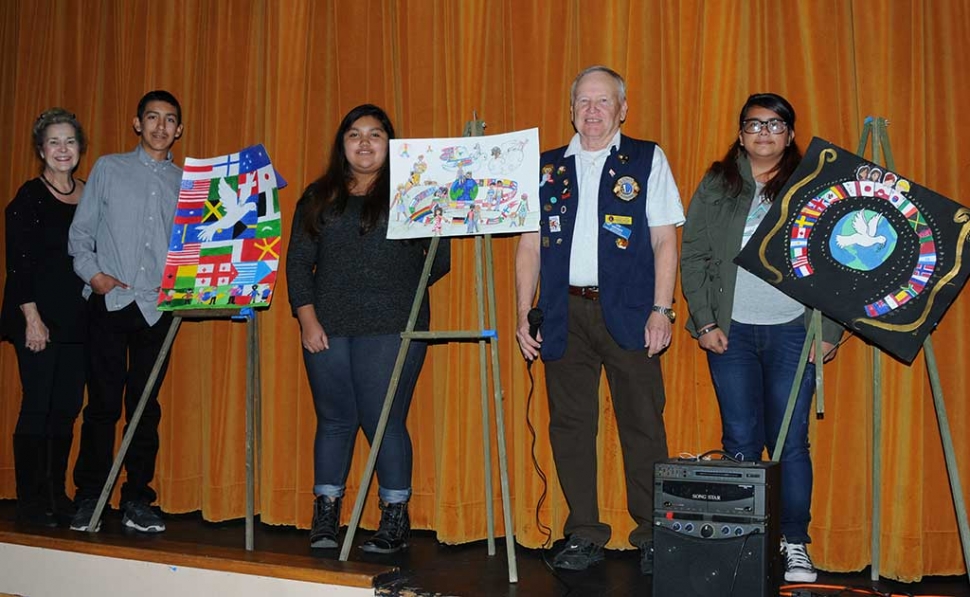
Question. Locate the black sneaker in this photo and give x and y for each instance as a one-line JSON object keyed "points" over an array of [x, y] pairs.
{"points": [[798, 566], [326, 520], [82, 517], [34, 515], [64, 509], [579, 553], [646, 557], [393, 533], [140, 517]]}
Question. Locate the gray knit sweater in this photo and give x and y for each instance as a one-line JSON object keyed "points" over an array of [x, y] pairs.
{"points": [[359, 285]]}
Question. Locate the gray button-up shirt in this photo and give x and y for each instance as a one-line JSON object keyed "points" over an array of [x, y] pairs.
{"points": [[123, 225]]}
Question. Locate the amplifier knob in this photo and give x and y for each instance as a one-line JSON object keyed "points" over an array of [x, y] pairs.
{"points": [[675, 526], [707, 531], [689, 527], [739, 531], [725, 530]]}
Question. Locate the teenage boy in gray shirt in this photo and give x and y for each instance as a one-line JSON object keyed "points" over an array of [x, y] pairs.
{"points": [[119, 239]]}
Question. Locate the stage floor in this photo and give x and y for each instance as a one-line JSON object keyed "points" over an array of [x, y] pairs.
{"points": [[430, 568]]}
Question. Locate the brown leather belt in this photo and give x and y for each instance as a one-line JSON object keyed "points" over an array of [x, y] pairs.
{"points": [[587, 292]]}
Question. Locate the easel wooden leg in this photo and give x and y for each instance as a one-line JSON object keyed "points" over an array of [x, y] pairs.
{"points": [[876, 462], [948, 452], [483, 376], [813, 331], [500, 424], [133, 425], [252, 381]]}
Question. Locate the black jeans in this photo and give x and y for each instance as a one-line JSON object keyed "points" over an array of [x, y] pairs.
{"points": [[121, 354]]}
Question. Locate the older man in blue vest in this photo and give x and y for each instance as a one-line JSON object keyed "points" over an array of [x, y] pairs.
{"points": [[606, 256]]}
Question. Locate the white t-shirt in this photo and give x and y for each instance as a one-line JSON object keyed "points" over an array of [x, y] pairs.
{"points": [[663, 205]]}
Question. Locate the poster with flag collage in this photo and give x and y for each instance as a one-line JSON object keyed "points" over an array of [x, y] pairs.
{"points": [[872, 250], [225, 246]]}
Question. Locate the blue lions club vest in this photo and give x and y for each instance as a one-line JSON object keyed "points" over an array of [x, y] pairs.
{"points": [[626, 268]]}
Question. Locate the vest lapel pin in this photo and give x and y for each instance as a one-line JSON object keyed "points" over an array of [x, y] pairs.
{"points": [[626, 188]]}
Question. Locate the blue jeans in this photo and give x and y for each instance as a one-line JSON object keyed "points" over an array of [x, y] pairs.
{"points": [[349, 382], [752, 380]]}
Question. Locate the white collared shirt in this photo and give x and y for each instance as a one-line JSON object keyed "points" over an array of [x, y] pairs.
{"points": [[663, 205]]}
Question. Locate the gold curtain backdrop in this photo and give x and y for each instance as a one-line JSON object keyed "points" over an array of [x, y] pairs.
{"points": [[283, 73]]}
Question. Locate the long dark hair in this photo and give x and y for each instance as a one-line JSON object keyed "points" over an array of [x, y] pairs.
{"points": [[328, 194], [727, 167]]}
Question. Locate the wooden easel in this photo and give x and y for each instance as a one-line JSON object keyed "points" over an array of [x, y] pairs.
{"points": [[875, 128], [253, 410], [882, 154], [484, 336]]}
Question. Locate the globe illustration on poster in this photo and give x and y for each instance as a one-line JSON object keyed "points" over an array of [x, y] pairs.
{"points": [[862, 240]]}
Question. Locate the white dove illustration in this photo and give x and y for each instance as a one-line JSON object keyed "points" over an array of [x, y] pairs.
{"points": [[234, 212], [865, 232]]}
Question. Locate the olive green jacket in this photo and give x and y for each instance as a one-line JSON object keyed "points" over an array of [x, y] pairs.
{"points": [[711, 241]]}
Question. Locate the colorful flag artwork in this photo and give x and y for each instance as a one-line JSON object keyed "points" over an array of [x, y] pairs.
{"points": [[865, 246], [225, 247], [464, 186]]}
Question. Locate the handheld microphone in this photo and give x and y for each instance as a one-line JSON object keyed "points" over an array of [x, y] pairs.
{"points": [[535, 320]]}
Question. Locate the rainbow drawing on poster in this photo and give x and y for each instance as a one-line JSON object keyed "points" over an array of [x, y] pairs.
{"points": [[225, 246], [464, 186]]}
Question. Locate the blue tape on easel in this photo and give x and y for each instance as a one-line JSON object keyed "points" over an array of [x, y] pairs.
{"points": [[245, 314], [489, 334]]}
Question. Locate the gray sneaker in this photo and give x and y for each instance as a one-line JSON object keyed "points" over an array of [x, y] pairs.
{"points": [[140, 517], [82, 518]]}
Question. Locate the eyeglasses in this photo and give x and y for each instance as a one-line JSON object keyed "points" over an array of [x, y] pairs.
{"points": [[753, 126]]}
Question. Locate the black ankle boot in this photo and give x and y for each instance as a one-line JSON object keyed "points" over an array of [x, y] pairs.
{"points": [[395, 530], [30, 466], [326, 521], [62, 506]]}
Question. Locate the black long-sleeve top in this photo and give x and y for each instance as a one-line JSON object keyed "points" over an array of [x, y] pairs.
{"points": [[39, 269], [359, 285]]}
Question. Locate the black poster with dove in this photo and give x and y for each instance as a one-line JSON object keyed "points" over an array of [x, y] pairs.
{"points": [[883, 256]]}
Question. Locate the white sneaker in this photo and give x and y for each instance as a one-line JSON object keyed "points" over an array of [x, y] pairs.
{"points": [[798, 566]]}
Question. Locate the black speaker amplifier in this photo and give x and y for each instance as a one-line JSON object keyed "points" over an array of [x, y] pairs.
{"points": [[716, 528]]}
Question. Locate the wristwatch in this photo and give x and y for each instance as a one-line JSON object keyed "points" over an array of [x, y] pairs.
{"points": [[666, 312]]}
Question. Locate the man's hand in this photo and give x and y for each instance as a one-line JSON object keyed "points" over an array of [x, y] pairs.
{"points": [[526, 282], [528, 345], [102, 283], [656, 334]]}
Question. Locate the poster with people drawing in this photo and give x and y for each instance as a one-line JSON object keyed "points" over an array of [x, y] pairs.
{"points": [[225, 246], [464, 186]]}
